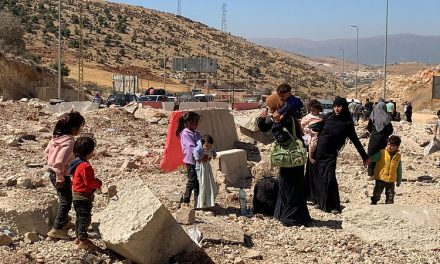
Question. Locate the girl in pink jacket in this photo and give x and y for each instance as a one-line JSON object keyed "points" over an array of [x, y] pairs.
{"points": [[59, 152]]}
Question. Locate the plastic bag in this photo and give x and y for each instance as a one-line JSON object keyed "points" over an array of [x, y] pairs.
{"points": [[432, 147], [195, 234]]}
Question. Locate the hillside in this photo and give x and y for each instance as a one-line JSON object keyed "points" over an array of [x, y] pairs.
{"points": [[134, 40]]}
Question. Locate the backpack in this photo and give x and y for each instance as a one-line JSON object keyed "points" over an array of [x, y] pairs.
{"points": [[265, 195]]}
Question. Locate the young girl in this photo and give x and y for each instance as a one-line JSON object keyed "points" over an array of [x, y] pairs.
{"points": [[84, 186], [309, 125], [203, 153], [59, 153], [189, 137]]}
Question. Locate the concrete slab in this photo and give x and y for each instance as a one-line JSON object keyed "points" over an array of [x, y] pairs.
{"points": [[232, 163], [80, 106], [168, 106], [408, 226], [25, 211], [218, 123], [139, 227]]}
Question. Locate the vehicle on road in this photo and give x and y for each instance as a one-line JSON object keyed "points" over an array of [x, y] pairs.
{"points": [[154, 98], [121, 99]]}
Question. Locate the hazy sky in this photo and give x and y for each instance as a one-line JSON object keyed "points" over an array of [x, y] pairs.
{"points": [[310, 19]]}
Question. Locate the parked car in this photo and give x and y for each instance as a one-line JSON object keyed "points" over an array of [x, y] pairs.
{"points": [[154, 98], [121, 99], [327, 106]]}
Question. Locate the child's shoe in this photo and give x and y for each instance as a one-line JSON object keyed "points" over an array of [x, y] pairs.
{"points": [[87, 245], [58, 234]]}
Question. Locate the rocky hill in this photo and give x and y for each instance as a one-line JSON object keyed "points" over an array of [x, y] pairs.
{"points": [[134, 40]]}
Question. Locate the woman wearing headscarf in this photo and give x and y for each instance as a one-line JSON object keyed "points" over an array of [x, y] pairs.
{"points": [[337, 128], [380, 128], [291, 206]]}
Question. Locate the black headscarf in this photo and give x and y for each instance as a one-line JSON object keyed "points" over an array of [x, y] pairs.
{"points": [[345, 113]]}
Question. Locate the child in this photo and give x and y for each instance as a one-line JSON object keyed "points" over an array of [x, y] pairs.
{"points": [[203, 153], [309, 125], [84, 185], [292, 105], [388, 170], [189, 136], [59, 153]]}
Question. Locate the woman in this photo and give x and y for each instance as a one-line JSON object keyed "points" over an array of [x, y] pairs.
{"points": [[291, 207], [380, 128], [337, 128], [408, 112]]}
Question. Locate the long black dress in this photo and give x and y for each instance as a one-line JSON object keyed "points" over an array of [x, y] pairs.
{"points": [[291, 207], [330, 141]]}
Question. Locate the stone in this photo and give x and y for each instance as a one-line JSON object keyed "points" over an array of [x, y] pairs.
{"points": [[37, 182], [31, 237], [233, 163], [25, 182], [154, 120], [131, 108], [238, 261], [12, 142], [5, 240], [163, 122], [129, 165], [139, 227], [10, 181], [253, 254], [185, 216], [21, 217], [424, 178]]}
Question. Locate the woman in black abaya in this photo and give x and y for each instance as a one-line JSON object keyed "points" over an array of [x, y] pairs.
{"points": [[291, 207], [337, 128]]}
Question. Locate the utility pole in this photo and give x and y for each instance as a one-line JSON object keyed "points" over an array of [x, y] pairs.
{"points": [[59, 49], [164, 64], [179, 7], [80, 53], [224, 11], [385, 54]]}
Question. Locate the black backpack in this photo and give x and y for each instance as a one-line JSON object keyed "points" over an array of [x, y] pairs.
{"points": [[265, 195]]}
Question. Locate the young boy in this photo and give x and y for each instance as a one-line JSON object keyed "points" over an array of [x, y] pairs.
{"points": [[84, 185], [388, 170]]}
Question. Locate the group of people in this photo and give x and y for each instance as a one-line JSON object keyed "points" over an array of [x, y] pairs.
{"points": [[73, 178], [325, 137]]}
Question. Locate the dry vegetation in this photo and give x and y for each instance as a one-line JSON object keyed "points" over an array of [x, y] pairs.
{"points": [[120, 36]]}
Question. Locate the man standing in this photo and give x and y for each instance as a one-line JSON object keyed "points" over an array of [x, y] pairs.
{"points": [[352, 108], [390, 107], [368, 108]]}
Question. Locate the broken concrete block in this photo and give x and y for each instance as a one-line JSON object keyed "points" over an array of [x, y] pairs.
{"points": [[5, 240], [185, 216], [233, 163], [21, 216], [25, 182], [146, 231], [31, 237]]}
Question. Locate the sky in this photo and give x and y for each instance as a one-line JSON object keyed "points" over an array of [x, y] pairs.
{"points": [[309, 19]]}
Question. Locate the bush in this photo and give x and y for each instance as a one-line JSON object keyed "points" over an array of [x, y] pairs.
{"points": [[65, 71], [11, 34]]}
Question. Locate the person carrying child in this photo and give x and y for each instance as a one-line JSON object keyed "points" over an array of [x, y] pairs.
{"points": [[291, 105], [84, 185], [311, 124], [203, 153], [59, 152], [388, 170], [189, 136]]}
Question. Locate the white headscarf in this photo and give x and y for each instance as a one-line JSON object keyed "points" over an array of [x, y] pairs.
{"points": [[380, 117]]}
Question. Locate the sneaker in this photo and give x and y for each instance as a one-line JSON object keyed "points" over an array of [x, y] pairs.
{"points": [[371, 178], [335, 211], [316, 206], [87, 245], [58, 234], [69, 225]]}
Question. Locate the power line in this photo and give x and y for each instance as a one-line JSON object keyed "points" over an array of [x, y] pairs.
{"points": [[224, 11]]}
